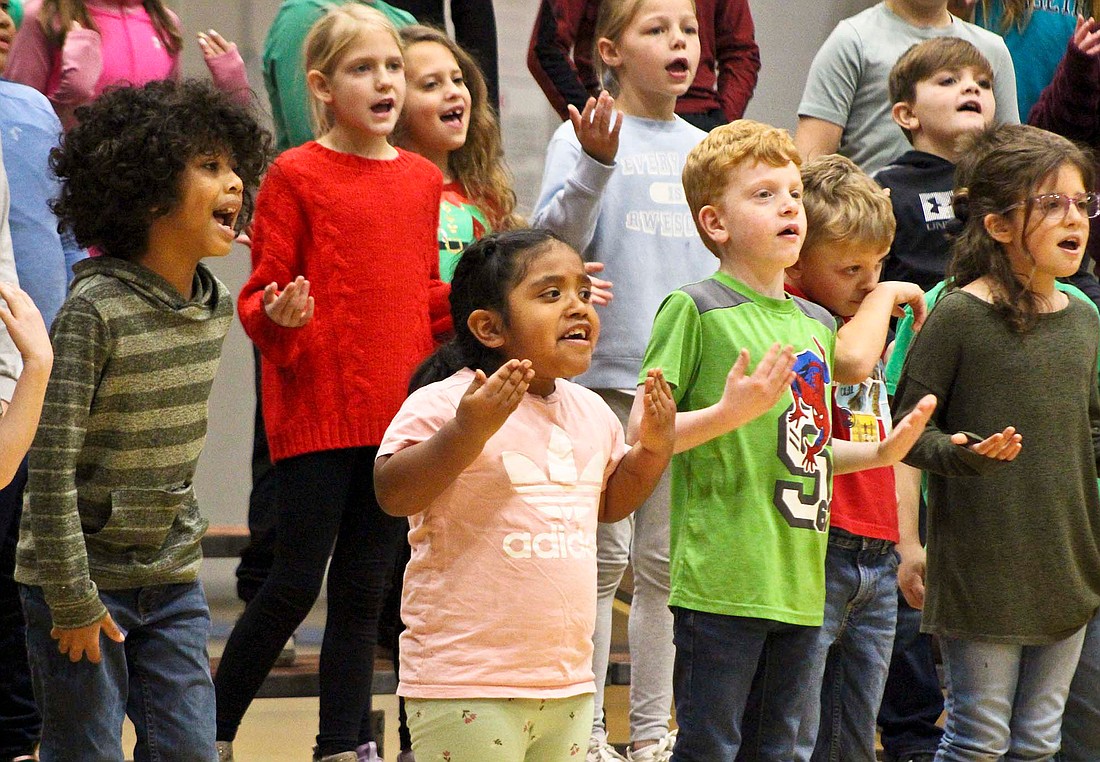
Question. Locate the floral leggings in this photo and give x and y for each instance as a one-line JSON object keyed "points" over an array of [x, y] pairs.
{"points": [[500, 730]]}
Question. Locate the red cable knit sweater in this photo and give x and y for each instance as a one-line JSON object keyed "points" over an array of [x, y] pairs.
{"points": [[363, 231]]}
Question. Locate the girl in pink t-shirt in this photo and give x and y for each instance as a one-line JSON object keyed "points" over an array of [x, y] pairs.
{"points": [[72, 50], [504, 468]]}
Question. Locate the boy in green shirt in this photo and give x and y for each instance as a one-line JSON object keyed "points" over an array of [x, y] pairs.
{"points": [[752, 476]]}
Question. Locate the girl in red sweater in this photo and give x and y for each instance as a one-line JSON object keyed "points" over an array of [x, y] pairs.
{"points": [[345, 279]]}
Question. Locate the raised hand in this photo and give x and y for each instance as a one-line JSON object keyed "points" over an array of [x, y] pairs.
{"points": [[213, 44], [489, 401], [601, 289], [292, 307], [749, 396], [597, 127], [657, 431], [1004, 445], [25, 326], [906, 433], [1086, 37]]}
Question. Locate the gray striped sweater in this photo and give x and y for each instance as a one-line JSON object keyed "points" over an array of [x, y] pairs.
{"points": [[109, 502]]}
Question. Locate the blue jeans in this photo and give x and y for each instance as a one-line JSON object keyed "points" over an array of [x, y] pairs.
{"points": [[717, 659], [852, 650], [1081, 721], [159, 678], [1005, 701]]}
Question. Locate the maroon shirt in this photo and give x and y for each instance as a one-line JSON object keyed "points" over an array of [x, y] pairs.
{"points": [[728, 63]]}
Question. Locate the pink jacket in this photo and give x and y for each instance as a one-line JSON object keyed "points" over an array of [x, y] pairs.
{"points": [[125, 50]]}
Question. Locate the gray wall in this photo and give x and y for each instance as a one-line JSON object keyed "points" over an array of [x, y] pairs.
{"points": [[788, 34]]}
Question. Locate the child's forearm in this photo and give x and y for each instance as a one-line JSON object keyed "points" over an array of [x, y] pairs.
{"points": [[409, 480], [632, 482], [849, 457], [571, 209], [20, 422], [907, 482], [860, 341], [696, 427]]}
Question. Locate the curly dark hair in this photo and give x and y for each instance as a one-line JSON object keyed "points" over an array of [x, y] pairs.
{"points": [[120, 167]]}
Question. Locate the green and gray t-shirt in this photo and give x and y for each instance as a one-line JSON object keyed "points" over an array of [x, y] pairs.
{"points": [[750, 509]]}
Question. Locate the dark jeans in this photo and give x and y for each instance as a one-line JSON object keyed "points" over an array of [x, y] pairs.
{"points": [[475, 26], [912, 701], [718, 660], [258, 555], [326, 506], [20, 725]]}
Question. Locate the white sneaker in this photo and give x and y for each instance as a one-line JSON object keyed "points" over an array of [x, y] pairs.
{"points": [[601, 751], [406, 756], [368, 752], [225, 751], [288, 654], [655, 752]]}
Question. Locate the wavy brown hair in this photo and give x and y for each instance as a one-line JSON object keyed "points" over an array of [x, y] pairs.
{"points": [[479, 165], [57, 16], [1000, 167], [1017, 13]]}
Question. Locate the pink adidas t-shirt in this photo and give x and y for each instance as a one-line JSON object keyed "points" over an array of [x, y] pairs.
{"points": [[500, 594]]}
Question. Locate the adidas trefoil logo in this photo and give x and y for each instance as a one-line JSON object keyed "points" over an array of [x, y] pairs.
{"points": [[563, 498]]}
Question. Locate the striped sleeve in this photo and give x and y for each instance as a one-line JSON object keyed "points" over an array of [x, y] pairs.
{"points": [[82, 343]]}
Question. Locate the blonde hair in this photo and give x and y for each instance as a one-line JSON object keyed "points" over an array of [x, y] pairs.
{"points": [[612, 19], [479, 163], [1017, 13], [843, 203], [709, 165], [327, 43]]}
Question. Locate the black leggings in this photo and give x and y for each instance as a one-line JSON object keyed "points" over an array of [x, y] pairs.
{"points": [[324, 498], [475, 30]]}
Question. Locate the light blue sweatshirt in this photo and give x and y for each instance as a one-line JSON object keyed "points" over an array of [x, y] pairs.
{"points": [[43, 258], [633, 217]]}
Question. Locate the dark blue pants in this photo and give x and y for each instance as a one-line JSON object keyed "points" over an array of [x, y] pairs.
{"points": [[912, 701], [20, 724], [258, 555], [719, 661]]}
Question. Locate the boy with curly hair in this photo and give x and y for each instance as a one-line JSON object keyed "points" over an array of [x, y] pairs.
{"points": [[157, 178]]}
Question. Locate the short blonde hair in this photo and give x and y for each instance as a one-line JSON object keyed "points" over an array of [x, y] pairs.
{"points": [[708, 165], [327, 42], [843, 203]]}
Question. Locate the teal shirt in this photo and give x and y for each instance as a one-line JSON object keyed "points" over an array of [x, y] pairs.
{"points": [[284, 69], [750, 508], [1037, 50]]}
